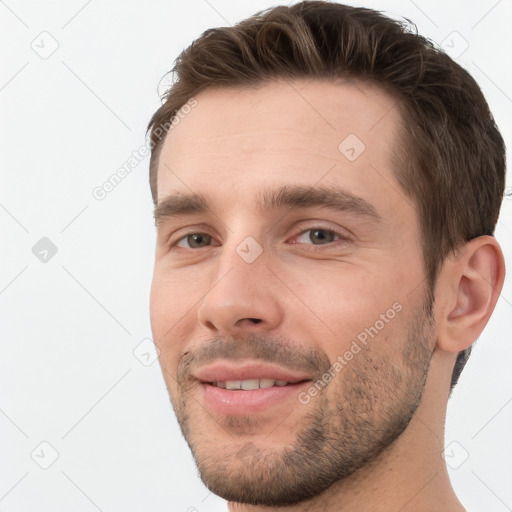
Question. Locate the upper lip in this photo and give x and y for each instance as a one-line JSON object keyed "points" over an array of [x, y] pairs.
{"points": [[222, 371]]}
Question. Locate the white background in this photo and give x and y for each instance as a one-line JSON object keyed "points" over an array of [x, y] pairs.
{"points": [[68, 373]]}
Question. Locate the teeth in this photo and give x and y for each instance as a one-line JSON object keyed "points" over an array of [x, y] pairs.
{"points": [[266, 383], [249, 384]]}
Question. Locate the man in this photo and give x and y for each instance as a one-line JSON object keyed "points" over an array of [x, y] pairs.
{"points": [[326, 188]]}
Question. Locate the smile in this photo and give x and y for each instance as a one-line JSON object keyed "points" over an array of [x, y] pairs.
{"points": [[249, 384]]}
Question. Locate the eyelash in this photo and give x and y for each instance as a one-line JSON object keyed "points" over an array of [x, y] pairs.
{"points": [[342, 238]]}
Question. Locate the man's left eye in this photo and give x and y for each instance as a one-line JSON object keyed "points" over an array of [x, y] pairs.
{"points": [[317, 236]]}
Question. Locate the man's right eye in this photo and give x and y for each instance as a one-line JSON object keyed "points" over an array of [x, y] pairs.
{"points": [[194, 241]]}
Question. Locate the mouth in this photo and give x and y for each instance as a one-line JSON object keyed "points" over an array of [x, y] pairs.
{"points": [[249, 388], [248, 374], [250, 384]]}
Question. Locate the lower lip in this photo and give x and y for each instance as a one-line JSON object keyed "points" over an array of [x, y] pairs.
{"points": [[239, 402]]}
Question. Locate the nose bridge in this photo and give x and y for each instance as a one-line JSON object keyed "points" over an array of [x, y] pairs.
{"points": [[241, 294]]}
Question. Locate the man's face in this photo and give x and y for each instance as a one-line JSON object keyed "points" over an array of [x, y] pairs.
{"points": [[302, 265]]}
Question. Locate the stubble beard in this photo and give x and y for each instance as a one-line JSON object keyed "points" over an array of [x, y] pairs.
{"points": [[374, 401]]}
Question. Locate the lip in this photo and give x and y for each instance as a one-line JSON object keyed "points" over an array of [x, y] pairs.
{"points": [[248, 402], [222, 371]]}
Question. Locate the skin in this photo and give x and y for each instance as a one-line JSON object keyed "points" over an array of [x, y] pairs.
{"points": [[311, 300]]}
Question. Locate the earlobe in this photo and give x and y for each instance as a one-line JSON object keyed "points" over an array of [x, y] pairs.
{"points": [[470, 285]]}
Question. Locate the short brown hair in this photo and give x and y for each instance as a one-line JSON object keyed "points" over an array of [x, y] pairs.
{"points": [[452, 164]]}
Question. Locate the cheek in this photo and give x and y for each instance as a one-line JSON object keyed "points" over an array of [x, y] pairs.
{"points": [[159, 304], [347, 300], [173, 293], [170, 300]]}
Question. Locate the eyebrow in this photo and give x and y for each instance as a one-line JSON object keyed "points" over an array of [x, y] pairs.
{"points": [[293, 197]]}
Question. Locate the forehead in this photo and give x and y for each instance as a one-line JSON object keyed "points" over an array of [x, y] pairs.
{"points": [[242, 140]]}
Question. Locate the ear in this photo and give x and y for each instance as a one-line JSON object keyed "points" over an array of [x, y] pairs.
{"points": [[468, 287]]}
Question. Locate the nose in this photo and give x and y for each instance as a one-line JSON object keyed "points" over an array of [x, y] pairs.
{"points": [[242, 297]]}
